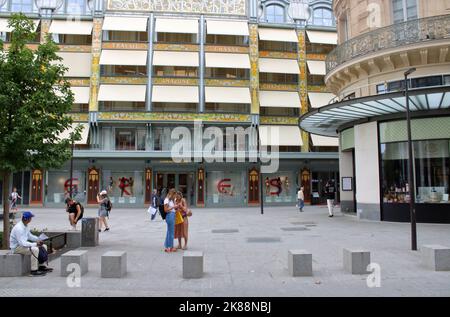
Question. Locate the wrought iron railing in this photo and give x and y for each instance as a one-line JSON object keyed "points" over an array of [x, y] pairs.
{"points": [[396, 35]]}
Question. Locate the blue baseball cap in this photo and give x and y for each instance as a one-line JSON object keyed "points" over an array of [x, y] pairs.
{"points": [[27, 215]]}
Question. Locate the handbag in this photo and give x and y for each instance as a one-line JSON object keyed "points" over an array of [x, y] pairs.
{"points": [[178, 218]]}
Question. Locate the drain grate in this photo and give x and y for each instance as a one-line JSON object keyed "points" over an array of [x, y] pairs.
{"points": [[224, 230], [300, 228], [263, 239], [305, 223]]}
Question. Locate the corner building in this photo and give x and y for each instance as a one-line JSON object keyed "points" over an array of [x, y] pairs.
{"points": [[140, 69], [379, 41]]}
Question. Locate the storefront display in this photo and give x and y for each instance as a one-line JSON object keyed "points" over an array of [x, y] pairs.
{"points": [[58, 184], [280, 187], [124, 188], [225, 188]]}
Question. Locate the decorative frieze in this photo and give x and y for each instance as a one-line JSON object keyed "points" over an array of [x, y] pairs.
{"points": [[281, 87], [79, 117], [254, 68], [176, 47], [227, 49], [124, 46], [286, 55], [227, 83], [79, 82], [317, 89], [175, 81], [229, 7], [316, 57], [75, 48], [124, 80], [278, 120], [303, 83], [173, 117], [95, 68]]}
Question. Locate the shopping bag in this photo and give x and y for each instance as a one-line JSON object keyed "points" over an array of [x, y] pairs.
{"points": [[178, 218]]}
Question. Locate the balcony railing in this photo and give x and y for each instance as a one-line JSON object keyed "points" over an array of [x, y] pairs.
{"points": [[396, 35]]}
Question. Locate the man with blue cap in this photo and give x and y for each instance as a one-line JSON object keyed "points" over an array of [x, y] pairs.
{"points": [[20, 243]]}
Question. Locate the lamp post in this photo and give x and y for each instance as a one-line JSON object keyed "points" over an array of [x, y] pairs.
{"points": [[258, 147], [411, 181]]}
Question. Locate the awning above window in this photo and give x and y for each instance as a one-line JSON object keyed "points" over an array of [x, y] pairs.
{"points": [[287, 99], [78, 64], [5, 28], [81, 94], [278, 35], [134, 93], [320, 99], [226, 60], [319, 140], [317, 67], [176, 26], [71, 27], [123, 57], [278, 135], [278, 65], [178, 94], [322, 37], [84, 133], [132, 24], [220, 27], [227, 95], [187, 59]]}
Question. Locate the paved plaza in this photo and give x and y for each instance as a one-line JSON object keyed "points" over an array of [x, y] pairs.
{"points": [[246, 255]]}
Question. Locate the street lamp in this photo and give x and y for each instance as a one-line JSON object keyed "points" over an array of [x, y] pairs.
{"points": [[258, 148], [47, 7], [411, 181]]}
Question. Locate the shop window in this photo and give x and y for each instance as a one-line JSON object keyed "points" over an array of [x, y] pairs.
{"points": [[323, 17], [316, 80], [80, 107], [72, 39], [59, 184], [280, 187], [279, 111], [123, 70], [228, 107], [226, 188], [124, 36], [227, 73], [278, 78], [179, 38], [174, 107], [175, 71], [315, 48], [124, 187], [275, 14], [231, 40], [121, 106], [130, 139], [432, 171], [277, 46]]}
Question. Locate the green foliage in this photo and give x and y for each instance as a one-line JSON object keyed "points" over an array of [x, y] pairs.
{"points": [[34, 98]]}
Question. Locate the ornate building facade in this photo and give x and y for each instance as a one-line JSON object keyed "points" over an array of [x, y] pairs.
{"points": [[140, 70], [384, 47]]}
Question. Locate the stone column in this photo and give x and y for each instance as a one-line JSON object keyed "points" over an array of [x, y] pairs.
{"points": [[151, 26], [303, 83], [201, 41], [95, 68], [254, 71]]}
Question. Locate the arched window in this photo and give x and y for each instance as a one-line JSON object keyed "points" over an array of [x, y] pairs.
{"points": [[323, 17], [275, 14], [22, 5]]}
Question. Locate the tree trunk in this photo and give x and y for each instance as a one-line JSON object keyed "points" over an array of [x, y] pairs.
{"points": [[6, 176]]}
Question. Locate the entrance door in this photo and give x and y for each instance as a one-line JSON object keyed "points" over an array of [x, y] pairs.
{"points": [[93, 185], [253, 186], [36, 187], [183, 182]]}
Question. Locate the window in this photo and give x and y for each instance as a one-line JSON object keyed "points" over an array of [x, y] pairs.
{"points": [[447, 80], [277, 46], [179, 38], [162, 138], [226, 39], [130, 139], [124, 36], [426, 81], [278, 78], [22, 5], [275, 14], [121, 106], [174, 107], [229, 73], [123, 70], [227, 107], [279, 111], [76, 7], [72, 39], [174, 71], [404, 10], [316, 80], [323, 17], [80, 107]]}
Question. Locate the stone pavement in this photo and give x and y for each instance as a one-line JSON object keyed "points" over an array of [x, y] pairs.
{"points": [[246, 255]]}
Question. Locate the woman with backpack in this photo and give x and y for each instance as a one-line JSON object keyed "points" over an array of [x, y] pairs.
{"points": [[75, 210], [103, 210]]}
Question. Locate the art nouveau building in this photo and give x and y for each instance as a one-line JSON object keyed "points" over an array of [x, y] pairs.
{"points": [[379, 40], [140, 69]]}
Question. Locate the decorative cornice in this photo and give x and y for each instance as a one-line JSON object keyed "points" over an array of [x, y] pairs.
{"points": [[173, 117]]}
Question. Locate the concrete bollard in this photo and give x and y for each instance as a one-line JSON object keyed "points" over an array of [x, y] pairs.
{"points": [[78, 257], [193, 264], [356, 261], [300, 263], [436, 257], [89, 232], [114, 264], [12, 265], [73, 239]]}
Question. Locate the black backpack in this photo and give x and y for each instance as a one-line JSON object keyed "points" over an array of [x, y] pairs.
{"points": [[108, 206]]}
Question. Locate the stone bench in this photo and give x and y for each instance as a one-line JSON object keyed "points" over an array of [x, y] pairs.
{"points": [[436, 257], [79, 257], [114, 264], [356, 261], [193, 264], [12, 265], [300, 263]]}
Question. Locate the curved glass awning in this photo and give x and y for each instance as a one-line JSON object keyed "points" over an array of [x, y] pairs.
{"points": [[327, 120]]}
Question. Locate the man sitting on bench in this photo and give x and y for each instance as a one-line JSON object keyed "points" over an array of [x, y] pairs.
{"points": [[19, 244]]}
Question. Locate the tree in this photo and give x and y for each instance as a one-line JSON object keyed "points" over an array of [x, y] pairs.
{"points": [[34, 100]]}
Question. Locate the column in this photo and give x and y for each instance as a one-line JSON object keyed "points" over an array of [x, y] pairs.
{"points": [[95, 68], [303, 82], [201, 40], [151, 25], [254, 71]]}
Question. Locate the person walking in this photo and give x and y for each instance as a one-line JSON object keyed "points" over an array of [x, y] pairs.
{"points": [[169, 208], [154, 204], [301, 199], [103, 212], [330, 193], [13, 197]]}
